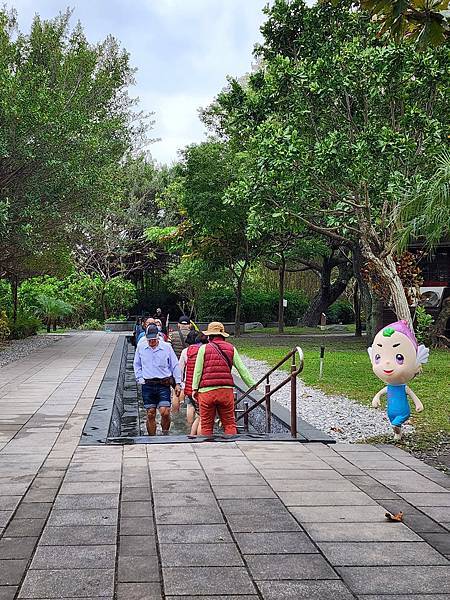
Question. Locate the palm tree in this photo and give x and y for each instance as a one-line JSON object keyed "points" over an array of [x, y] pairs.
{"points": [[52, 309], [424, 211]]}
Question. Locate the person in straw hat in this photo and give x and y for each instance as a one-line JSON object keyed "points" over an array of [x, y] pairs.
{"points": [[213, 384]]}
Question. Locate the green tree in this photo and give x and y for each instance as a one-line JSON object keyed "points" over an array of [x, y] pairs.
{"points": [[425, 22], [52, 310], [335, 123], [66, 123]]}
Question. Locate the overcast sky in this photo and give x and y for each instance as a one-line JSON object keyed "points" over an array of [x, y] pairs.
{"points": [[183, 50]]}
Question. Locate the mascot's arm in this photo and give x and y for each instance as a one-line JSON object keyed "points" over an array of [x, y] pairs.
{"points": [[417, 403], [376, 398]]}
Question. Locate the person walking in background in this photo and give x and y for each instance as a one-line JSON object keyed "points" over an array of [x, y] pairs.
{"points": [[162, 335], [156, 368], [178, 337], [159, 315], [187, 366], [213, 384]]}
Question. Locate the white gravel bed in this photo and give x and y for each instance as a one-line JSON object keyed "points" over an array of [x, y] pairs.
{"points": [[338, 416], [16, 349]]}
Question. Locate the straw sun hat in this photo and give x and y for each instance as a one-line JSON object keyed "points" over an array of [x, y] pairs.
{"points": [[216, 328]]}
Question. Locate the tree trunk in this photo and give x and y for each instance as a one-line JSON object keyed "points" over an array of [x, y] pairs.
{"points": [[238, 291], [438, 337], [376, 317], [237, 316], [387, 270], [48, 324], [103, 304], [357, 309], [14, 291], [282, 275], [328, 292]]}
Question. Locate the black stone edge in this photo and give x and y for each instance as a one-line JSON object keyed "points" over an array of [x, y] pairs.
{"points": [[97, 425], [305, 431]]}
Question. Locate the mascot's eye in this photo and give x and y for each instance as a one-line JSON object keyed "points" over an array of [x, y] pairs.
{"points": [[400, 359], [377, 358]]}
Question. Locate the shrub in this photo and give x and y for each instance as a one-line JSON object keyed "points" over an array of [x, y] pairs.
{"points": [[24, 326], [340, 312], [424, 321], [4, 325], [92, 325], [257, 305]]}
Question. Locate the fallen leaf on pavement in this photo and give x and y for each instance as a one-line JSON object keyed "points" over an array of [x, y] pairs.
{"points": [[398, 517]]}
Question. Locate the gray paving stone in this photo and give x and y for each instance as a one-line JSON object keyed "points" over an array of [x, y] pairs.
{"points": [[75, 517], [180, 486], [427, 499], [338, 514], [33, 510], [39, 495], [25, 527], [441, 514], [421, 524], [136, 509], [193, 515], [406, 597], [327, 499], [313, 485], [200, 555], [137, 526], [138, 591], [222, 597], [11, 571], [304, 590], [137, 545], [272, 474], [354, 532], [248, 506], [381, 554], [207, 580], [9, 502], [405, 481], [236, 480], [86, 583], [136, 493], [68, 502], [74, 557], [289, 566], [292, 542], [398, 580], [185, 499], [17, 547], [372, 488], [41, 483], [106, 487], [79, 536], [138, 569], [7, 592], [179, 475], [200, 534], [249, 491], [249, 523], [439, 541]]}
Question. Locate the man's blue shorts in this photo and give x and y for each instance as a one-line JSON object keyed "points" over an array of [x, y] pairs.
{"points": [[156, 395]]}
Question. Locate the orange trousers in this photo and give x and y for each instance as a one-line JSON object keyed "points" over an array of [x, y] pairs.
{"points": [[222, 401]]}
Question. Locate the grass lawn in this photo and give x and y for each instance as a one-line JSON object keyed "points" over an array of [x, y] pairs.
{"points": [[347, 371]]}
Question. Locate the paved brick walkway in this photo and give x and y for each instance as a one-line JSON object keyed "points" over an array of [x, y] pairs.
{"points": [[239, 521]]}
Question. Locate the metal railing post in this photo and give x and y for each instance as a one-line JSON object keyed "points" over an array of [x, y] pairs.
{"points": [[246, 415], [293, 398], [268, 412]]}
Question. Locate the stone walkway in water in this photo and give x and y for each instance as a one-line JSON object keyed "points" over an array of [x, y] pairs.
{"points": [[238, 520]]}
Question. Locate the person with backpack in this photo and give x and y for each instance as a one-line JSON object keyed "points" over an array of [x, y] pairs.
{"points": [[178, 337], [213, 384]]}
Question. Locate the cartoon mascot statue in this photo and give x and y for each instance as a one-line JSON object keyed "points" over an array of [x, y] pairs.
{"points": [[396, 359]]}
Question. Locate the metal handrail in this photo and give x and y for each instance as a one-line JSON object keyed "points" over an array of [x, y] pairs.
{"points": [[295, 370]]}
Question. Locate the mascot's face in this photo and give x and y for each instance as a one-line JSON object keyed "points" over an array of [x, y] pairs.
{"points": [[394, 357]]}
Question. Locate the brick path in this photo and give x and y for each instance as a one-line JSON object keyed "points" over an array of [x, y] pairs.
{"points": [[239, 521]]}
